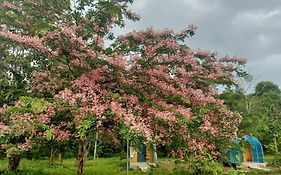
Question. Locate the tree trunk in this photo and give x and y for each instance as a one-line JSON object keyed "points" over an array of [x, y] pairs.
{"points": [[87, 149], [95, 149], [13, 162], [52, 156], [81, 158], [60, 157]]}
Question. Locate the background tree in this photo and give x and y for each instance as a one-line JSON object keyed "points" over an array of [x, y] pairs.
{"points": [[270, 99], [261, 112], [14, 69], [266, 88]]}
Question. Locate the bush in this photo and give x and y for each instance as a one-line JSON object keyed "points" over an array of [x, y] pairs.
{"points": [[208, 166], [276, 161], [205, 166]]}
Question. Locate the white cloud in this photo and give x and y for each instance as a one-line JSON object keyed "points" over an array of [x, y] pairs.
{"points": [[203, 6], [247, 28], [256, 16]]}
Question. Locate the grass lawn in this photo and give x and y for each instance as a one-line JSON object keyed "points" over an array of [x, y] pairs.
{"points": [[102, 166]]}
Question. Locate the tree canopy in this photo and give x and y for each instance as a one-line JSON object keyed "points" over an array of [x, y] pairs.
{"points": [[147, 85], [266, 87]]}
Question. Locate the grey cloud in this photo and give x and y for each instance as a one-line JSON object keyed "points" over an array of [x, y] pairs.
{"points": [[246, 28]]}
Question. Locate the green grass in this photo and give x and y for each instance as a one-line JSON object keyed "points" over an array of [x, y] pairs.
{"points": [[103, 166]]}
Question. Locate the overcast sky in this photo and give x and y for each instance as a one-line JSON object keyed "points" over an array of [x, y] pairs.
{"points": [[246, 28]]}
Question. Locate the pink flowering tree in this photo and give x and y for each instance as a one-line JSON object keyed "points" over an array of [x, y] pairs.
{"points": [[173, 97], [32, 121], [146, 86], [21, 125], [59, 133]]}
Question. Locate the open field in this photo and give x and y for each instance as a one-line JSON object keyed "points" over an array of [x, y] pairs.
{"points": [[104, 166]]}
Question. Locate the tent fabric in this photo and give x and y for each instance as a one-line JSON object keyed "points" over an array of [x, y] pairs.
{"points": [[257, 150], [236, 154]]}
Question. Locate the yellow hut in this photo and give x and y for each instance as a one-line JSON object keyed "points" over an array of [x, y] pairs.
{"points": [[146, 154]]}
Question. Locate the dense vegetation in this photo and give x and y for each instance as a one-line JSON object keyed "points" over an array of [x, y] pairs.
{"points": [[261, 113]]}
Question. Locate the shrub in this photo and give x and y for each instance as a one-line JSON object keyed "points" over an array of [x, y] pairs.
{"points": [[276, 161]]}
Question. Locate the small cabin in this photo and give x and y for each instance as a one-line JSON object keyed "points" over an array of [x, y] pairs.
{"points": [[251, 152], [146, 154]]}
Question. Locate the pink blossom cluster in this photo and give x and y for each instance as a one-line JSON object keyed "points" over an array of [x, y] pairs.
{"points": [[203, 53], [185, 112], [177, 153], [234, 59], [26, 127], [61, 135], [11, 5], [44, 82], [35, 42], [207, 125], [44, 118], [22, 147], [4, 129]]}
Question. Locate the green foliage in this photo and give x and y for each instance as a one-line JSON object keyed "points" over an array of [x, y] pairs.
{"points": [[205, 166], [261, 113], [50, 135], [16, 66], [86, 126], [28, 105], [20, 124], [276, 161], [173, 98], [267, 87]]}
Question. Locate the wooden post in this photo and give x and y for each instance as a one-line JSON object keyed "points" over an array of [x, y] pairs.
{"points": [[95, 148], [128, 150]]}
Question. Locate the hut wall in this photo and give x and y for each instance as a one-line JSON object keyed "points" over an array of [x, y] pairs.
{"points": [[133, 155], [149, 155]]}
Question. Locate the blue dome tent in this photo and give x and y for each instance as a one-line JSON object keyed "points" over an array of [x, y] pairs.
{"points": [[252, 153]]}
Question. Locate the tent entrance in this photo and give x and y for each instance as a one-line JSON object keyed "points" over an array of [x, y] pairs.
{"points": [[248, 153]]}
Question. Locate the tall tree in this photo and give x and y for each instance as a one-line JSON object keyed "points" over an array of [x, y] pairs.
{"points": [[146, 86]]}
